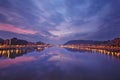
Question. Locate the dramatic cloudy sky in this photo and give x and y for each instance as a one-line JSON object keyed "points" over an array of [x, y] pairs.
{"points": [[58, 21]]}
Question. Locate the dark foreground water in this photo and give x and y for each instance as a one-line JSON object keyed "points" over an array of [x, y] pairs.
{"points": [[58, 64]]}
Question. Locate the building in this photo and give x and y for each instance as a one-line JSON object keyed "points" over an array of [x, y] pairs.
{"points": [[7, 42], [116, 41]]}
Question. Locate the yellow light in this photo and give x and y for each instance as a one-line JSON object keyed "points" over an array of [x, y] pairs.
{"points": [[17, 51]]}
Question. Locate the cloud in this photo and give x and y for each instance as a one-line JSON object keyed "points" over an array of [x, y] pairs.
{"points": [[11, 28], [56, 20]]}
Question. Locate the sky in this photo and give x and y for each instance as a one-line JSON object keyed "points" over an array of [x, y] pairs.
{"points": [[58, 21]]}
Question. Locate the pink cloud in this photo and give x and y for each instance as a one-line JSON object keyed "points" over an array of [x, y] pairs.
{"points": [[12, 28]]}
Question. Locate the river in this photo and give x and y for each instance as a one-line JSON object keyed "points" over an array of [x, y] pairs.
{"points": [[56, 63]]}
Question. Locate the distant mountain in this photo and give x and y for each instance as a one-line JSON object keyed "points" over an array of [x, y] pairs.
{"points": [[114, 42], [28, 37], [16, 41], [86, 42], [40, 42]]}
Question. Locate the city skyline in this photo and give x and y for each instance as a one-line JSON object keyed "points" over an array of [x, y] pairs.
{"points": [[58, 21]]}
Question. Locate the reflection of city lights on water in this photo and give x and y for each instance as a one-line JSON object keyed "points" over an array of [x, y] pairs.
{"points": [[0, 52], [39, 48], [113, 51], [3, 52], [17, 51], [12, 51]]}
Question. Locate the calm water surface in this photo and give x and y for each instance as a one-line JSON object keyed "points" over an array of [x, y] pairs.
{"points": [[59, 64]]}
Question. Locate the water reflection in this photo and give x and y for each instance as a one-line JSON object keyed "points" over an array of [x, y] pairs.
{"points": [[60, 64], [107, 52], [13, 53]]}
